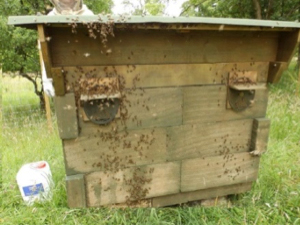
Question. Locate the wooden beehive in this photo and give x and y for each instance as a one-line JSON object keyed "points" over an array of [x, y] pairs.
{"points": [[159, 111]]}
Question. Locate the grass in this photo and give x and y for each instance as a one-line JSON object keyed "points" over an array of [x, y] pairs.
{"points": [[274, 198]]}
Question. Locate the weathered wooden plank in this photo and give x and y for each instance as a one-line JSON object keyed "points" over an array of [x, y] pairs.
{"points": [[45, 49], [161, 47], [149, 108], [132, 184], [158, 107], [216, 171], [287, 45], [76, 191], [208, 139], [275, 71], [184, 197], [201, 26], [167, 75], [260, 135], [100, 148], [58, 81], [66, 113], [208, 104]]}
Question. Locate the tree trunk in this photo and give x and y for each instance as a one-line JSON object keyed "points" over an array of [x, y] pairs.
{"points": [[40, 93], [270, 9], [257, 8]]}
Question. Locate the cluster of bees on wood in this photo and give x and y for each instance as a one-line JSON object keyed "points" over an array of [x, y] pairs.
{"points": [[228, 150], [109, 82]]}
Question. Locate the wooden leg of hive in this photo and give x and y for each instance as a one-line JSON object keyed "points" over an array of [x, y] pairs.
{"points": [[76, 191]]}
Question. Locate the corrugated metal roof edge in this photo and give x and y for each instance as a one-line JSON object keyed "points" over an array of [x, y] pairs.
{"points": [[26, 20]]}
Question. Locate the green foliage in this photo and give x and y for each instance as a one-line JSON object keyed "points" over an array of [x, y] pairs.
{"points": [[18, 48], [99, 6], [270, 9], [147, 7]]}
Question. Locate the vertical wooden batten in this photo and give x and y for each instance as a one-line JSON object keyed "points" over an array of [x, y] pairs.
{"points": [[58, 81], [45, 49], [260, 136], [76, 191], [66, 113], [287, 45]]}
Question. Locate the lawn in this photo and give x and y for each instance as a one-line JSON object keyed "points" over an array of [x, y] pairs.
{"points": [[274, 198]]}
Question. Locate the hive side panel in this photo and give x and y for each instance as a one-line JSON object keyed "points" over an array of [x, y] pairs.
{"points": [[131, 184], [226, 169], [208, 139], [208, 104], [93, 150], [185, 197], [161, 47]]}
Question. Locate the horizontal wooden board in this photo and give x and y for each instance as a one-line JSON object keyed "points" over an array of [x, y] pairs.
{"points": [[208, 139], [216, 171], [208, 104], [149, 108], [160, 47], [167, 75], [184, 197], [134, 183], [99, 148]]}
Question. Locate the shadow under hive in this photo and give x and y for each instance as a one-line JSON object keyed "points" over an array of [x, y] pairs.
{"points": [[157, 111]]}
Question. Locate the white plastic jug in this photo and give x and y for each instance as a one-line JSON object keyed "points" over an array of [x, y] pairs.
{"points": [[35, 182]]}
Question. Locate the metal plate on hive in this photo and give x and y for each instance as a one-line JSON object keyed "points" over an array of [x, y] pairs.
{"points": [[101, 111], [240, 100]]}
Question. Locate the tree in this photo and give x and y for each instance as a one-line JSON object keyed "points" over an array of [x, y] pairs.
{"points": [[254, 9], [18, 51], [146, 7]]}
